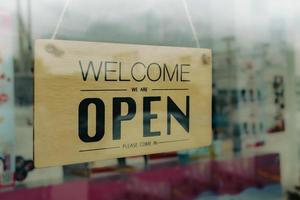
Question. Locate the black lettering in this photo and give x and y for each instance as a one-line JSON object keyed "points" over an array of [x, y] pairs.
{"points": [[148, 71], [148, 116], [132, 74], [109, 70], [120, 74], [166, 72], [117, 117], [184, 72], [83, 119], [173, 110], [90, 65]]}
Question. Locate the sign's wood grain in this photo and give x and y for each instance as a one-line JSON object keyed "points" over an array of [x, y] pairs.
{"points": [[97, 101]]}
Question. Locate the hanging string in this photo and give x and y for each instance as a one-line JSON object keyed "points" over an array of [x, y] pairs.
{"points": [[188, 15], [185, 6], [61, 17]]}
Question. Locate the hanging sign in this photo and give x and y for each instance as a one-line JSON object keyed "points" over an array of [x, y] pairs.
{"points": [[96, 101]]}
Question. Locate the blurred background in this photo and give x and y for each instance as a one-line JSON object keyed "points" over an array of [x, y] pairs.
{"points": [[255, 153]]}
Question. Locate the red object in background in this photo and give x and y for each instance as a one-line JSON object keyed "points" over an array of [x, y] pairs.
{"points": [[2, 76], [165, 183], [162, 155], [267, 169], [7, 181], [3, 98], [278, 127]]}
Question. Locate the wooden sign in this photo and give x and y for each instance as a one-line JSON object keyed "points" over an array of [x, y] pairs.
{"points": [[96, 101]]}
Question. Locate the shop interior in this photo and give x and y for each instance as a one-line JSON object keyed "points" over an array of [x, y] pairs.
{"points": [[255, 99]]}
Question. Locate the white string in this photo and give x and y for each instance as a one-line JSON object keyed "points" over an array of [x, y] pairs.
{"points": [[188, 15], [186, 9], [61, 17]]}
